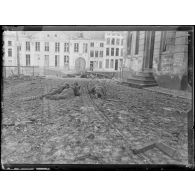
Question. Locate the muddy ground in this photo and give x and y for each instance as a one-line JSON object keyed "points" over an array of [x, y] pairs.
{"points": [[87, 130]]}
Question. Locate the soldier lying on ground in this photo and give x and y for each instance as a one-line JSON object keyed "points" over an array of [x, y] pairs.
{"points": [[76, 89], [97, 91], [49, 94], [59, 90]]}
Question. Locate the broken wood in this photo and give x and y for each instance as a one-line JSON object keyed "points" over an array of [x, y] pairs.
{"points": [[144, 149], [169, 151]]}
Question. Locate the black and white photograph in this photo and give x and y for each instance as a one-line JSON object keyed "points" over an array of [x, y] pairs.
{"points": [[97, 97], [112, 96]]}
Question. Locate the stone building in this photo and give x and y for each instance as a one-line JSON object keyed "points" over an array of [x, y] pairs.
{"points": [[114, 57], [97, 55], [58, 52], [157, 58]]}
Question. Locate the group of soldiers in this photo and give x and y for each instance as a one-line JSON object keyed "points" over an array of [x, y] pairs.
{"points": [[97, 90]]}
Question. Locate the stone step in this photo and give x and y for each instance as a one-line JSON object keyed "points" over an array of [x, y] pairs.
{"points": [[138, 85], [144, 74], [142, 77], [141, 80]]}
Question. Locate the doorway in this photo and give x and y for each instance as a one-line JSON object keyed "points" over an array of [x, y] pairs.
{"points": [[116, 64], [80, 64], [91, 66]]}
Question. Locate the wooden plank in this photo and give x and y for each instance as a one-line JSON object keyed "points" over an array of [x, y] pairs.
{"points": [[167, 150], [144, 149]]}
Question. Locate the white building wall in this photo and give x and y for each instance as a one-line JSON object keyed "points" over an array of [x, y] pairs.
{"points": [[75, 55], [95, 59], [115, 36], [37, 58]]}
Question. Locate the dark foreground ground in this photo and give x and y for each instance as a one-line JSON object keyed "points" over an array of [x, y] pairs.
{"points": [[85, 130]]}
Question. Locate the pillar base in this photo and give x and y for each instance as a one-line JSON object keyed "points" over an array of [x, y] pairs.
{"points": [[142, 80]]}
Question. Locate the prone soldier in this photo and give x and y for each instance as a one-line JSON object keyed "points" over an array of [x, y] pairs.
{"points": [[76, 89]]}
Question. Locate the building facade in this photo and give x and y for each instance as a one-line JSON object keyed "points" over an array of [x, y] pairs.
{"points": [[48, 51], [114, 57], [97, 55], [162, 54]]}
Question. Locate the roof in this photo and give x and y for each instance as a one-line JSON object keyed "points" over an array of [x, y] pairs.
{"points": [[72, 35]]}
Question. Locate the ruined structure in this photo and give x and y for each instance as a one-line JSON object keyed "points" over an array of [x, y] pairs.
{"points": [[157, 58]]}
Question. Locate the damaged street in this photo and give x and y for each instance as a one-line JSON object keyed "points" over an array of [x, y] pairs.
{"points": [[117, 125]]}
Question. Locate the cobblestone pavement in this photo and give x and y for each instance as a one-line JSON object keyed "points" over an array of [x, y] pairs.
{"points": [[86, 130], [171, 92]]}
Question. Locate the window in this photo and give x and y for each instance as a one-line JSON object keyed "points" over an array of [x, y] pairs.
{"points": [[57, 60], [101, 54], [92, 44], [96, 54], [100, 64], [107, 63], [27, 46], [66, 59], [121, 52], [46, 46], [108, 41], [76, 47], [137, 43], [112, 51], [129, 43], [27, 59], [37, 46], [121, 62], [111, 63], [57, 47], [9, 43], [84, 47], [91, 53], [113, 41], [46, 60], [101, 44], [66, 47], [107, 52], [117, 51], [117, 41], [95, 64], [121, 41], [91, 65], [116, 64], [9, 52]]}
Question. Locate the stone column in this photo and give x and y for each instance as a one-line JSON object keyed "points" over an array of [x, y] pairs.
{"points": [[146, 77], [148, 51]]}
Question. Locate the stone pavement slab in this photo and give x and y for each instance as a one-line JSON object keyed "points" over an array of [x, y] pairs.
{"points": [[171, 92]]}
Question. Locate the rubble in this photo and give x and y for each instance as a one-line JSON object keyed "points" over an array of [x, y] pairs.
{"points": [[69, 131]]}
